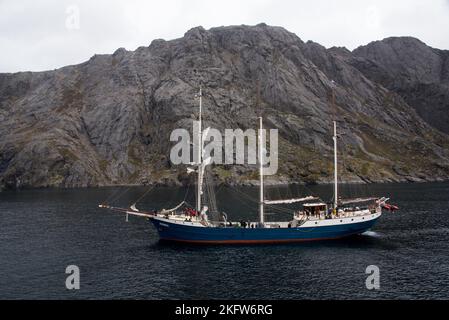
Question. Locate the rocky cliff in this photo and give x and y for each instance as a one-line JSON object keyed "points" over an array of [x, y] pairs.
{"points": [[411, 69], [108, 120]]}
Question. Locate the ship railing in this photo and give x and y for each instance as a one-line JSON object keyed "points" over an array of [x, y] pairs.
{"points": [[340, 214]]}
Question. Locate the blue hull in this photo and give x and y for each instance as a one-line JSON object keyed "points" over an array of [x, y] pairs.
{"points": [[190, 234]]}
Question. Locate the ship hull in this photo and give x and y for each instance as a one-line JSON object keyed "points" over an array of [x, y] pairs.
{"points": [[219, 235]]}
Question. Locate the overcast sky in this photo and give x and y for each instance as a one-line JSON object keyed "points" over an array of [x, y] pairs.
{"points": [[48, 34]]}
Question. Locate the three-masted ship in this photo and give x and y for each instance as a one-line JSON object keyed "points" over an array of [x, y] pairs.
{"points": [[316, 220]]}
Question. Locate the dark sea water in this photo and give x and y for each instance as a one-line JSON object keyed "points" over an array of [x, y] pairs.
{"points": [[44, 231]]}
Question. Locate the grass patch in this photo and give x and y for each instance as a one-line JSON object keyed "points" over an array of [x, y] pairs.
{"points": [[133, 156], [103, 164], [223, 173], [68, 154]]}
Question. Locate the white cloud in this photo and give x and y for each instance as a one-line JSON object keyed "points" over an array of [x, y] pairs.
{"points": [[33, 34]]}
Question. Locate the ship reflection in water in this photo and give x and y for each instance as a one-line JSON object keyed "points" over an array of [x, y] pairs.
{"points": [[44, 231]]}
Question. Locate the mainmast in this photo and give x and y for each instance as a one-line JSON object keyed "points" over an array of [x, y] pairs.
{"points": [[335, 167], [200, 155], [261, 207]]}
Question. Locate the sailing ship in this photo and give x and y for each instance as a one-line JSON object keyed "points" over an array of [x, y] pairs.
{"points": [[317, 220]]}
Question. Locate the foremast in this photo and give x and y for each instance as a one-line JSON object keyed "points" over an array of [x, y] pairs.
{"points": [[200, 155]]}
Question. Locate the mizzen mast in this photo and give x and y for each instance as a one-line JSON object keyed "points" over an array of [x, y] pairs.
{"points": [[335, 167], [335, 148]]}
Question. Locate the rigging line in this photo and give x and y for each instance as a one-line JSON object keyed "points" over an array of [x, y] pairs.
{"points": [[189, 205], [295, 189], [146, 192], [187, 192], [342, 165], [245, 195], [279, 193], [170, 201], [122, 193], [118, 192], [350, 189], [287, 192], [220, 187], [277, 211], [290, 193], [241, 200], [211, 192], [112, 195], [279, 208], [308, 190], [281, 212], [244, 203]]}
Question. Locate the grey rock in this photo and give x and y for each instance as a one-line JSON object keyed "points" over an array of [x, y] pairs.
{"points": [[108, 121], [413, 70]]}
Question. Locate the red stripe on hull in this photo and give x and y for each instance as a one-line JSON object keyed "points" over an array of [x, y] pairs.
{"points": [[252, 241]]}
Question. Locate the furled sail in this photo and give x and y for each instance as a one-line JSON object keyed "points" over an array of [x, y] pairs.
{"points": [[289, 201], [173, 209], [357, 200]]}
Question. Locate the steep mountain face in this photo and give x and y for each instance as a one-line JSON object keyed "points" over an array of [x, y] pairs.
{"points": [[416, 72], [108, 120]]}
